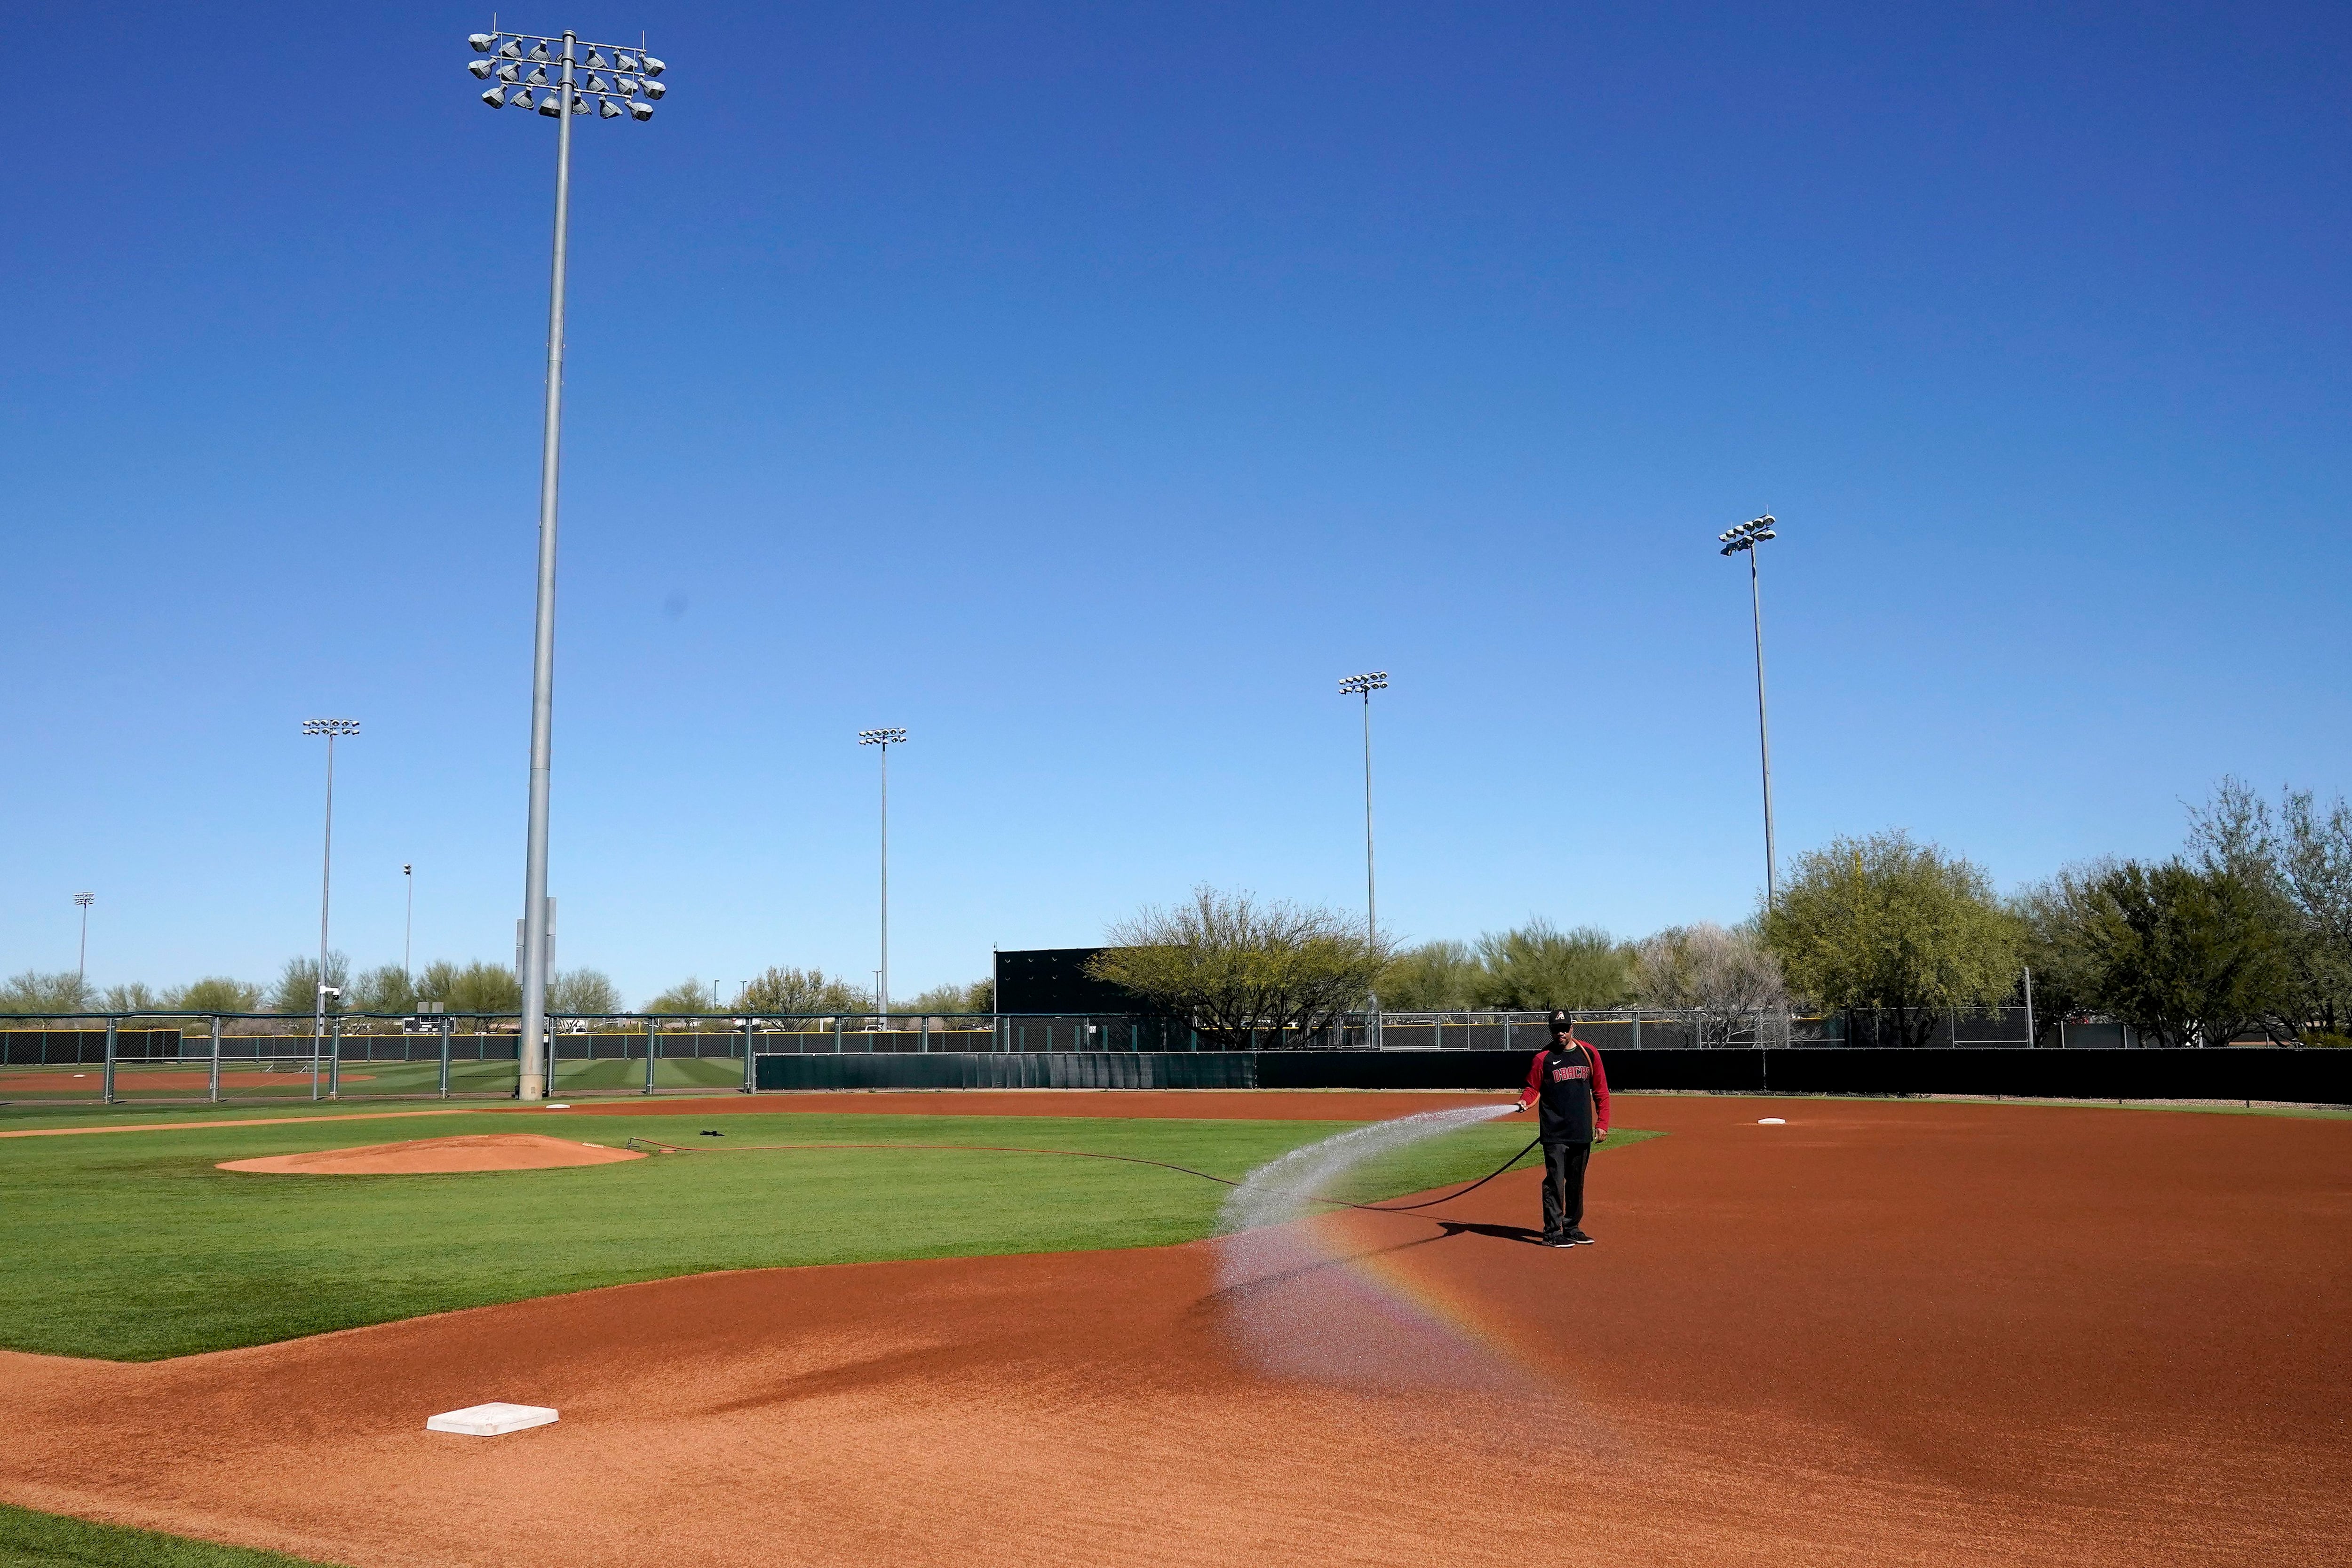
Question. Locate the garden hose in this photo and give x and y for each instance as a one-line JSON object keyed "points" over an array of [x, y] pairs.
{"points": [[655, 1146]]}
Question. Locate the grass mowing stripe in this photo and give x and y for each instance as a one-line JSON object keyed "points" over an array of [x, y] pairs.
{"points": [[146, 1251], [30, 1540]]}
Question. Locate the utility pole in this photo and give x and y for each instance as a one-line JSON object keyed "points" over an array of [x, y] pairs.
{"points": [[408, 928], [1747, 537]]}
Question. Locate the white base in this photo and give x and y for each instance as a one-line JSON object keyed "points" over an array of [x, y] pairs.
{"points": [[1771, 1121], [490, 1420]]}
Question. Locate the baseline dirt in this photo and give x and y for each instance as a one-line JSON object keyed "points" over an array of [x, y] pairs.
{"points": [[438, 1156], [1159, 1104], [1886, 1332]]}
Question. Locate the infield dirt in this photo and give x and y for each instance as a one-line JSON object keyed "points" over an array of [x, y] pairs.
{"points": [[1885, 1332]]}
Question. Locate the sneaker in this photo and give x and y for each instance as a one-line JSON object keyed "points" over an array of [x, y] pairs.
{"points": [[1557, 1241], [1577, 1239]]}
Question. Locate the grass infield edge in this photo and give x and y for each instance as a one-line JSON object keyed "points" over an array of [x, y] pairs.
{"points": [[31, 1539]]}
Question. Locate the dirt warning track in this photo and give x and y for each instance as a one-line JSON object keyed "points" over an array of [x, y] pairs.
{"points": [[1885, 1332]]}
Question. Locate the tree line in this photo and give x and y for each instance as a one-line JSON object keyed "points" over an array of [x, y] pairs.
{"points": [[2245, 931], [476, 988]]}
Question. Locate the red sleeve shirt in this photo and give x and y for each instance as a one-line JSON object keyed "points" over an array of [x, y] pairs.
{"points": [[1600, 1084]]}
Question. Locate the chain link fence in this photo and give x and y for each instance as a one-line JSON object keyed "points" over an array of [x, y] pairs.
{"points": [[219, 1057]]}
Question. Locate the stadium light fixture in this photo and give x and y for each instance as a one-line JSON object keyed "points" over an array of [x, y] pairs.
{"points": [[1747, 537], [1364, 686], [333, 728], [567, 99], [81, 965], [886, 739]]}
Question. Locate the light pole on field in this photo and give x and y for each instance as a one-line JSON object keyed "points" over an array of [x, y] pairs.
{"points": [[331, 729], [886, 739], [408, 927], [81, 965], [1747, 537], [518, 62], [1364, 686]]}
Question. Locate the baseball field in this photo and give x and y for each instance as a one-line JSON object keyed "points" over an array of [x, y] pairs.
{"points": [[1015, 1329]]}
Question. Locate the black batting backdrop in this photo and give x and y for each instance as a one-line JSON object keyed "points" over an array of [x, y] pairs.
{"points": [[1054, 980]]}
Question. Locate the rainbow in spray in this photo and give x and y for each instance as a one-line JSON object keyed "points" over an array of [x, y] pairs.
{"points": [[1304, 1302]]}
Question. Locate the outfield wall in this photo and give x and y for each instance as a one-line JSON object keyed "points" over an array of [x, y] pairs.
{"points": [[2313, 1076]]}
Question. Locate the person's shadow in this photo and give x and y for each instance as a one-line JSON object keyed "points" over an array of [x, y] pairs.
{"points": [[1499, 1232]]}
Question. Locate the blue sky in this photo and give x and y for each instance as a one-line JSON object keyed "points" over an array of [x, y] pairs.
{"points": [[1087, 388]]}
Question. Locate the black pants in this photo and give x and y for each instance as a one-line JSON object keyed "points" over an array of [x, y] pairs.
{"points": [[1563, 1200]]}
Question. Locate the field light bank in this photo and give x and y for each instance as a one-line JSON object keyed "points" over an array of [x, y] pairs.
{"points": [[1748, 535], [1364, 685], [631, 88]]}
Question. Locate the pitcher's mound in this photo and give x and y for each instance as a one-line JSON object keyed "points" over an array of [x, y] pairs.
{"points": [[477, 1152]]}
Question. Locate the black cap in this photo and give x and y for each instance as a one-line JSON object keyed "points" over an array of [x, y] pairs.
{"points": [[1560, 1020]]}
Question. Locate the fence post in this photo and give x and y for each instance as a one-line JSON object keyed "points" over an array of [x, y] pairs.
{"points": [[316, 1041], [335, 1060], [213, 1087], [105, 1078], [445, 1055], [1637, 1029], [653, 1044], [836, 1034], [747, 1056]]}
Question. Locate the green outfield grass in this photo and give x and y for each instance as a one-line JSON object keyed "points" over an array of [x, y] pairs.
{"points": [[134, 1247], [247, 1081], [29, 1540]]}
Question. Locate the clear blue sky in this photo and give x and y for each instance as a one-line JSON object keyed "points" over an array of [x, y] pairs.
{"points": [[1087, 388]]}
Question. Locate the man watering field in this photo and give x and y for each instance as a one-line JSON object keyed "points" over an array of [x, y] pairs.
{"points": [[1570, 1093]]}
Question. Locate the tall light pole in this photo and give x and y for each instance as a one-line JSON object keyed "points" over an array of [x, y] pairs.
{"points": [[408, 927], [1364, 686], [1747, 537], [886, 739], [329, 728], [81, 965], [624, 91]]}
